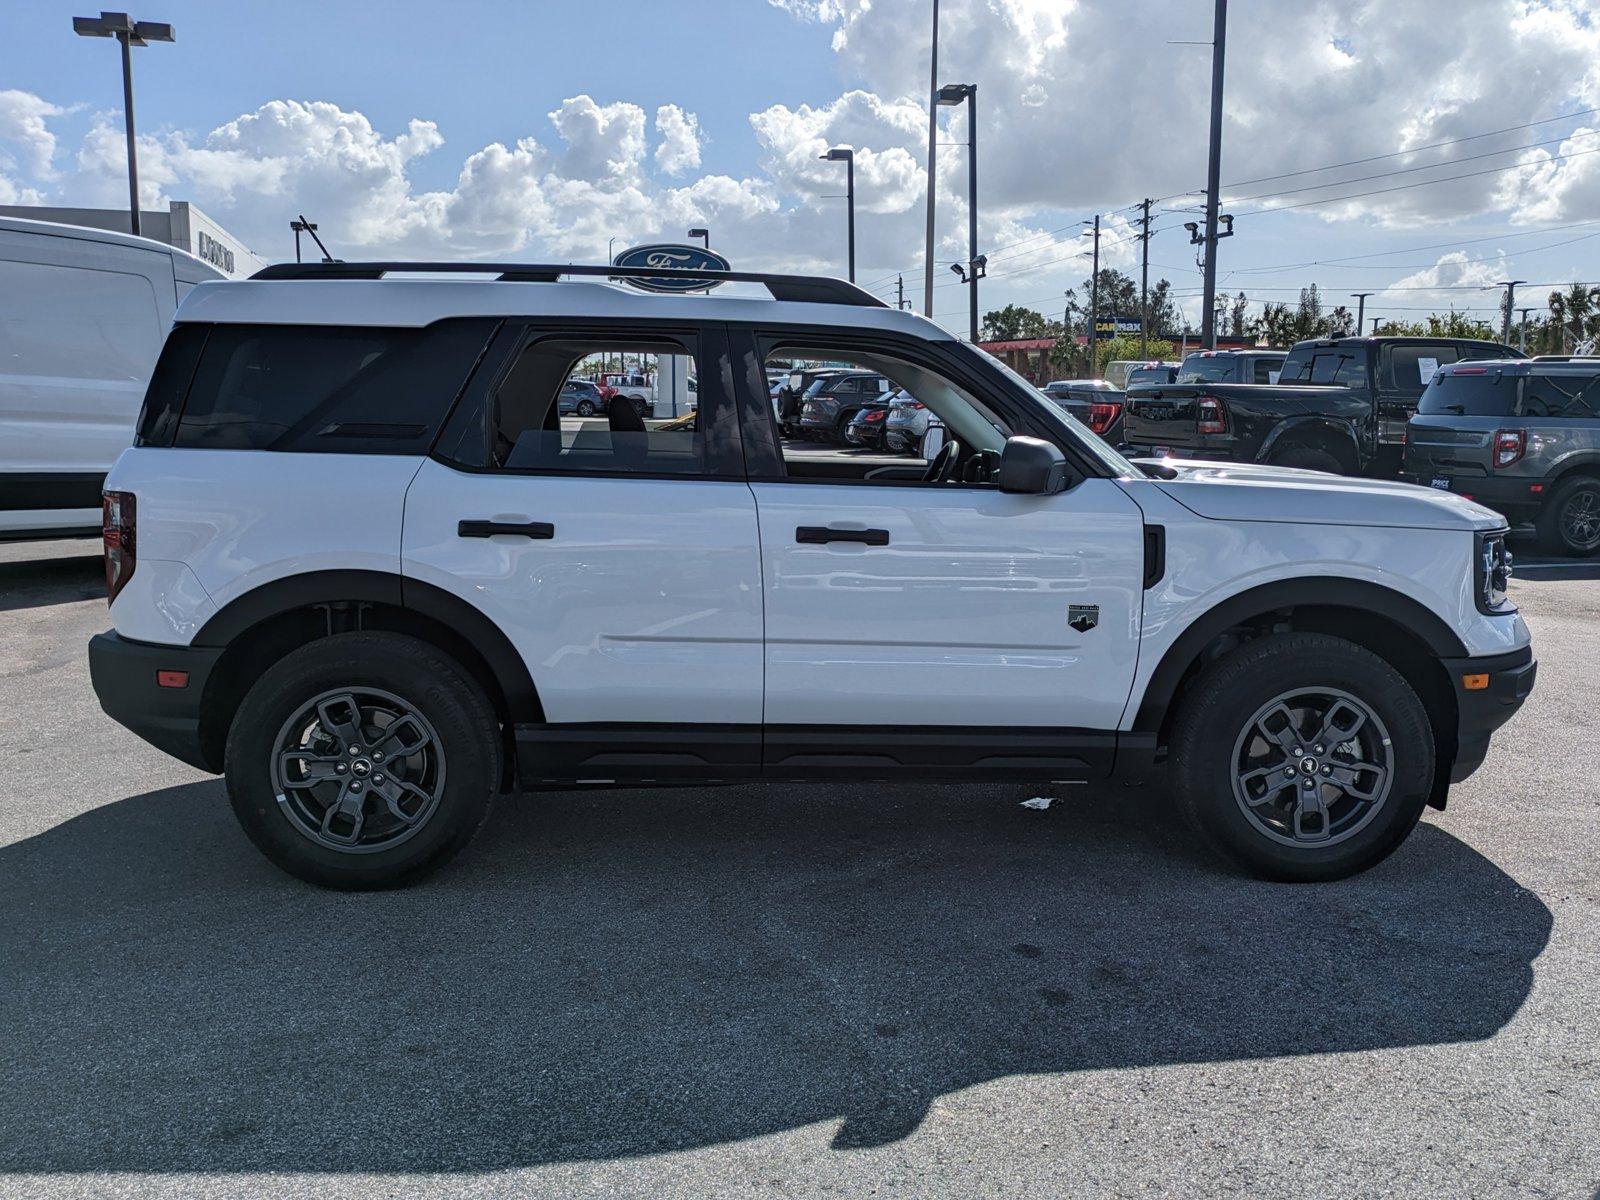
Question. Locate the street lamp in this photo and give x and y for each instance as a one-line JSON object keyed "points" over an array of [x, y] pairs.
{"points": [[702, 233], [130, 33], [847, 156], [950, 95]]}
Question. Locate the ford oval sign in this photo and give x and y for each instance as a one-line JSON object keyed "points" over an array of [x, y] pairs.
{"points": [[682, 258]]}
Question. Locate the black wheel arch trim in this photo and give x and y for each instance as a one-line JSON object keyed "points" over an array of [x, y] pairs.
{"points": [[1343, 430], [1239, 609], [293, 592]]}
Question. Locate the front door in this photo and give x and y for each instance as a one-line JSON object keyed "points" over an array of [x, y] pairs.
{"points": [[912, 595]]}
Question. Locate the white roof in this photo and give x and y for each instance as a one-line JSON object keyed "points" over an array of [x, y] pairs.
{"points": [[416, 302], [88, 233]]}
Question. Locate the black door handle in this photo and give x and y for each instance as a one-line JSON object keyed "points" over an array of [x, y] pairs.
{"points": [[821, 535], [529, 529]]}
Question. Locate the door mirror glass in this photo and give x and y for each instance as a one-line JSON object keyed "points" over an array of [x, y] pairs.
{"points": [[1032, 466]]}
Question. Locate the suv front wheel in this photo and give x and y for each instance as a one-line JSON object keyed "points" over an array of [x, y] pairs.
{"points": [[1302, 756], [363, 760]]}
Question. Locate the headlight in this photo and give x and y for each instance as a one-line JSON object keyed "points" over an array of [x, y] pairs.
{"points": [[1493, 572]]}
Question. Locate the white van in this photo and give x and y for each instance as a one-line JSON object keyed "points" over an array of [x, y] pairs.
{"points": [[83, 314]]}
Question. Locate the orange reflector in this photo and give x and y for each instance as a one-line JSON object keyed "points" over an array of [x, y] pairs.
{"points": [[172, 679], [1475, 683]]}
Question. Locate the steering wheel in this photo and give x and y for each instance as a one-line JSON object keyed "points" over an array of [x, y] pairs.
{"points": [[945, 463]]}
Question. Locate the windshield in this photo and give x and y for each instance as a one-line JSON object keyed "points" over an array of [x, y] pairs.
{"points": [[1149, 375], [1487, 395], [1205, 370], [1090, 443]]}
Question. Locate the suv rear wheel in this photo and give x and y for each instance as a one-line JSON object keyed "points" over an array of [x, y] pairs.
{"points": [[1302, 756], [1569, 522], [363, 760]]}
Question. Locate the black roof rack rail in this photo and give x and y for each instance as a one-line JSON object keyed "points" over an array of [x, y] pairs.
{"points": [[810, 289]]}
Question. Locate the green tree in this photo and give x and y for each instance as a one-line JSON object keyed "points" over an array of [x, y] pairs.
{"points": [[1012, 323], [1126, 346]]}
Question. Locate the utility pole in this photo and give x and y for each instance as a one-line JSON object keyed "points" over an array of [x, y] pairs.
{"points": [[1219, 39], [1510, 286], [1144, 283], [1094, 303], [933, 144], [900, 291], [1361, 310], [1522, 330]]}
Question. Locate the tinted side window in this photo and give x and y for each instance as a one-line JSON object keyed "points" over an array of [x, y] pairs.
{"points": [[1410, 368], [1562, 397], [328, 389], [1265, 370]]}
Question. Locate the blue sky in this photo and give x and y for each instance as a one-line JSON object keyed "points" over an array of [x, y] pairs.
{"points": [[260, 109]]}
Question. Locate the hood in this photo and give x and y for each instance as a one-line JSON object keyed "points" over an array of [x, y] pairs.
{"points": [[1253, 492]]}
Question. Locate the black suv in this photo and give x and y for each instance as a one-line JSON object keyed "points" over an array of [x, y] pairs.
{"points": [[1522, 437]]}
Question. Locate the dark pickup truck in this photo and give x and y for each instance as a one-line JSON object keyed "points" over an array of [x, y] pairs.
{"points": [[1340, 404]]}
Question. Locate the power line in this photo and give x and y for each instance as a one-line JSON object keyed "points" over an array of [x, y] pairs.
{"points": [[1313, 187], [1277, 208], [1356, 162]]}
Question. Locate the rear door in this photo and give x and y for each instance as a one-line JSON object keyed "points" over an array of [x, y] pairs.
{"points": [[936, 609], [620, 558]]}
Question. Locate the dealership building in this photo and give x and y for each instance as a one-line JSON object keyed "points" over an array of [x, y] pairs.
{"points": [[182, 225]]}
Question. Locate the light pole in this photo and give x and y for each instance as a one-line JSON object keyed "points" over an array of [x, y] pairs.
{"points": [[1219, 41], [1361, 310], [702, 233], [1522, 330], [130, 33], [950, 95], [933, 143], [1094, 301], [301, 225], [1510, 286], [847, 156]]}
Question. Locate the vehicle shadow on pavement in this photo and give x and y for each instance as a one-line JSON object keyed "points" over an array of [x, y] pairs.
{"points": [[36, 583], [624, 973]]}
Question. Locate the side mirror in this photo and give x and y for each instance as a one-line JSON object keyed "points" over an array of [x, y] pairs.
{"points": [[1032, 466]]}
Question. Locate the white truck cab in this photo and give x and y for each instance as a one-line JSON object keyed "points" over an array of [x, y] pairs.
{"points": [[360, 563], [83, 313]]}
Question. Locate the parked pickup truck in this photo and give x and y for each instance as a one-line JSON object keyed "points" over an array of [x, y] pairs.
{"points": [[1229, 366], [1340, 405]]}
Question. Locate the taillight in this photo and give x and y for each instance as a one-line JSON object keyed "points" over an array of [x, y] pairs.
{"points": [[117, 522], [877, 414], [1509, 445], [1212, 416], [1103, 415]]}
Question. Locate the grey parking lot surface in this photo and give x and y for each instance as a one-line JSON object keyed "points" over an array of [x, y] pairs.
{"points": [[786, 990]]}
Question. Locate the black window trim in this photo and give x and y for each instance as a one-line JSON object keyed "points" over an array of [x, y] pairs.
{"points": [[518, 332]]}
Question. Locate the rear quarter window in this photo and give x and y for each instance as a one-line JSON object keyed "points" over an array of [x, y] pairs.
{"points": [[328, 389]]}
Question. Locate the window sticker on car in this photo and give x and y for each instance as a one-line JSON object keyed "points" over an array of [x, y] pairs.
{"points": [[1272, 376], [1426, 367]]}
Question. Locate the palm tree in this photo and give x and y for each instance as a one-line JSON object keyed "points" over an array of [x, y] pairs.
{"points": [[1572, 312]]}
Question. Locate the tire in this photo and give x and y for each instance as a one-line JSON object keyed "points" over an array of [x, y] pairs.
{"points": [[1217, 745], [1569, 522], [449, 751], [585, 408], [1308, 458]]}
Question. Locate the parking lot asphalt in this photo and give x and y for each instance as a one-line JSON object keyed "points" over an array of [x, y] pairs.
{"points": [[788, 990]]}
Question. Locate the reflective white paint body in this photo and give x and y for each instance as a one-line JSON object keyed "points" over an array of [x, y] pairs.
{"points": [[644, 606], [962, 618], [242, 518]]}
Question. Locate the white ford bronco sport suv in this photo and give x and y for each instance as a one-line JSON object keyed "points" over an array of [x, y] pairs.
{"points": [[359, 563]]}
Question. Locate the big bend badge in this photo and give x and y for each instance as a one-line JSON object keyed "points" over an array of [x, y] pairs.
{"points": [[1083, 617]]}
